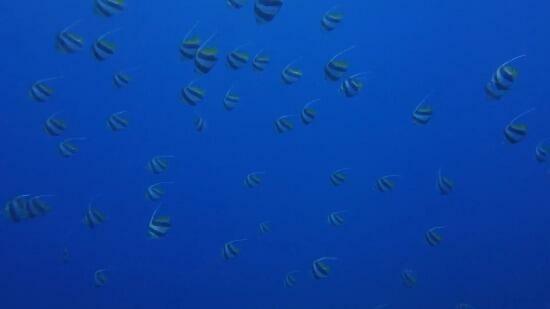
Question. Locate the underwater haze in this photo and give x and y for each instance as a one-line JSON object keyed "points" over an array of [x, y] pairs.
{"points": [[275, 154]]}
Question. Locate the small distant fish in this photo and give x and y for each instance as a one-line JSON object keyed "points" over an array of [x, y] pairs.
{"points": [[284, 124], [542, 150], [104, 48], [108, 8], [206, 57], [515, 132], [68, 41], [159, 164], [385, 183], [382, 306], [192, 94], [291, 74], [290, 279], [100, 278], [422, 113], [336, 68], [159, 226], [409, 278], [117, 122], [238, 58], [433, 237], [190, 44], [444, 184], [253, 179], [200, 124], [26, 206], [265, 227], [67, 148], [66, 256], [352, 85], [122, 79], [230, 250], [331, 19], [502, 79], [339, 176], [266, 10], [230, 100], [464, 306], [94, 217], [320, 269], [37, 207], [308, 113], [156, 192], [260, 61], [55, 126], [41, 91], [236, 4], [336, 218]]}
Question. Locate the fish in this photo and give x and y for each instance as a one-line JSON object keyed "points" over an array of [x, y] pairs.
{"points": [[108, 8], [206, 57], [260, 61], [16, 208], [104, 48], [121, 79], [433, 237], [67, 148], [515, 132], [336, 68], [464, 306], [336, 218], [236, 4], [542, 150], [382, 306], [230, 250], [230, 99], [352, 85], [117, 123], [339, 176], [385, 183], [331, 19], [444, 184], [190, 45], [41, 91], [291, 74], [100, 278], [200, 124], [320, 269], [156, 192], [409, 278], [265, 227], [308, 113], [68, 41], [422, 113], [284, 124], [253, 179], [94, 217], [55, 126], [159, 226], [266, 10], [502, 79], [192, 94], [290, 279], [66, 256], [238, 58], [37, 207], [159, 164]]}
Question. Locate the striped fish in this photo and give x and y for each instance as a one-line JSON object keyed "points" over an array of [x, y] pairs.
{"points": [[433, 237], [502, 79], [331, 19], [238, 58], [41, 91], [338, 177], [200, 124], [385, 183], [253, 179], [190, 45], [117, 123], [351, 86], [265, 227], [206, 57], [16, 208], [230, 250], [156, 192], [108, 8], [320, 269], [516, 132], [103, 48], [67, 148], [159, 226], [290, 279], [37, 207], [192, 94], [93, 217], [159, 164], [266, 10], [308, 113], [284, 124], [541, 151], [121, 79], [100, 278], [422, 113], [444, 184], [68, 41], [336, 68], [260, 61], [291, 74], [55, 126], [336, 218], [236, 4], [409, 278], [230, 100]]}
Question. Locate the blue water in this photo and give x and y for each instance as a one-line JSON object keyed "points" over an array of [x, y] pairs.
{"points": [[495, 251]]}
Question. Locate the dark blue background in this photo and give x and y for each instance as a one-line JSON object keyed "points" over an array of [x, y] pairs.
{"points": [[496, 246]]}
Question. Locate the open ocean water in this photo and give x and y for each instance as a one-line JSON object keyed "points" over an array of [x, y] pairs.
{"points": [[298, 169]]}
